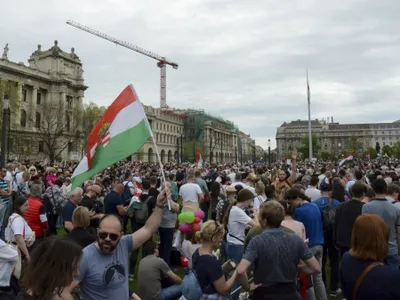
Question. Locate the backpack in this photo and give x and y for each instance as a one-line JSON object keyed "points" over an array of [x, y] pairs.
{"points": [[141, 212], [328, 216], [322, 182], [191, 289], [126, 195], [57, 201]]}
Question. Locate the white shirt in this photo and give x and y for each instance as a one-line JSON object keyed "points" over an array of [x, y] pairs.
{"points": [[258, 200], [313, 193], [190, 192], [236, 225], [18, 177], [8, 176], [245, 186], [321, 178], [8, 257], [16, 225]]}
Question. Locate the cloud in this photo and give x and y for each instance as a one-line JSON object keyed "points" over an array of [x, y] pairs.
{"points": [[242, 60]]}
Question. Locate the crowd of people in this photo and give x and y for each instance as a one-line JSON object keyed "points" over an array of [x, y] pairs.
{"points": [[268, 231]]}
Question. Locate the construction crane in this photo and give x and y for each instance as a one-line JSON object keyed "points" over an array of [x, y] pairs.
{"points": [[162, 61]]}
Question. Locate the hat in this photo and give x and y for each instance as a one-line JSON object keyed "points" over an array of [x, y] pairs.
{"points": [[231, 189], [326, 187]]}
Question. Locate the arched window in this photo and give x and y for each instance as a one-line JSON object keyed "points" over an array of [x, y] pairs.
{"points": [[38, 120], [23, 118]]}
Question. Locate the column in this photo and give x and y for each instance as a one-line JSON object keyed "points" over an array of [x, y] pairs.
{"points": [[17, 112], [63, 100], [33, 106]]}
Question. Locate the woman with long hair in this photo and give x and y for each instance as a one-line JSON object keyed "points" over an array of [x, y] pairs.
{"points": [[215, 195], [260, 191], [81, 221], [53, 267], [236, 220], [18, 231], [208, 268], [363, 274], [338, 191]]}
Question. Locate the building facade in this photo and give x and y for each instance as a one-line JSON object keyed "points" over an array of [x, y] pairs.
{"points": [[48, 93], [335, 138]]}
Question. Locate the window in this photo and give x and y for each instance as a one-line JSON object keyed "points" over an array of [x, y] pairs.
{"points": [[69, 101], [38, 120], [23, 118], [384, 144], [24, 93], [67, 123], [38, 98], [41, 146]]}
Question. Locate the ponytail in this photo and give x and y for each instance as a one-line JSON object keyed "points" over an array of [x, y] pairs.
{"points": [[227, 212], [198, 236]]}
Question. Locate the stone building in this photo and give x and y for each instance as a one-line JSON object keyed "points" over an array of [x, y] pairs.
{"points": [[49, 91], [335, 138], [246, 147]]}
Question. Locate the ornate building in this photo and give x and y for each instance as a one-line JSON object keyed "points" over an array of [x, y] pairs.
{"points": [[335, 138], [49, 92]]}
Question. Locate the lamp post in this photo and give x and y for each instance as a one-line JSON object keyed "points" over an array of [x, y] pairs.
{"points": [[181, 146], [6, 102], [269, 153], [340, 150]]}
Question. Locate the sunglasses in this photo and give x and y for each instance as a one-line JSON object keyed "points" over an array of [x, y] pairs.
{"points": [[112, 236]]}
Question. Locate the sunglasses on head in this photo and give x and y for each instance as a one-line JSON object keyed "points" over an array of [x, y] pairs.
{"points": [[112, 236]]}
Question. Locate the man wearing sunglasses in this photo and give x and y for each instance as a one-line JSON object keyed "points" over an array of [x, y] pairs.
{"points": [[103, 270]]}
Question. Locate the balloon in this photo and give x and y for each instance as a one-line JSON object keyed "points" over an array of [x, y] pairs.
{"points": [[197, 220], [189, 217], [200, 214], [195, 227], [181, 217], [184, 228]]}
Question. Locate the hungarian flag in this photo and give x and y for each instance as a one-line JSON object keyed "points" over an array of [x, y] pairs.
{"points": [[348, 158], [122, 130]]}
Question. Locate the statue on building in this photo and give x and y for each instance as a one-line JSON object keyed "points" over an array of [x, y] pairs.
{"points": [[38, 51], [73, 55], [55, 49], [5, 53]]}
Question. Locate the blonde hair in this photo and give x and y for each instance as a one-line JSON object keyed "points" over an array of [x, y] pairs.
{"points": [[80, 217], [260, 188], [209, 231], [26, 176]]}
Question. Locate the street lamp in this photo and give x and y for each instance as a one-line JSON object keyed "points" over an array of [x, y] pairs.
{"points": [[6, 103], [269, 153], [181, 146], [340, 149]]}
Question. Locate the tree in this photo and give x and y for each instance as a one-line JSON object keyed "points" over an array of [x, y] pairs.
{"points": [[372, 152], [56, 130], [9, 88], [325, 155], [396, 150], [304, 149], [189, 150], [387, 150], [91, 115], [354, 144]]}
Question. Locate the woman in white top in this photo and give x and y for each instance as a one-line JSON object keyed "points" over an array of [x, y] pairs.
{"points": [[235, 221], [261, 197], [18, 231], [189, 246]]}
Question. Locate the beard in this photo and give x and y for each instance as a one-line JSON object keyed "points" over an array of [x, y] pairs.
{"points": [[107, 247]]}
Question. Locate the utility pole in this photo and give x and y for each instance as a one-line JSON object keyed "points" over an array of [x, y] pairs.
{"points": [[269, 153], [310, 149], [6, 103]]}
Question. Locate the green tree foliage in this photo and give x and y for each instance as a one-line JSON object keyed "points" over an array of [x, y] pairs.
{"points": [[387, 150], [353, 144], [396, 150], [304, 149], [189, 150], [372, 152], [325, 155]]}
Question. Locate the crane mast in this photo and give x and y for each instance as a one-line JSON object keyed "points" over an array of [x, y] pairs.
{"points": [[162, 61]]}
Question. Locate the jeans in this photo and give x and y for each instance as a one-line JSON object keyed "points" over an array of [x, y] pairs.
{"points": [[171, 292], [166, 238], [134, 254], [319, 286], [333, 254], [235, 253], [393, 261]]}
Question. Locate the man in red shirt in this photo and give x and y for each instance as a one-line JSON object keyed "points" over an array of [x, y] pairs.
{"points": [[36, 214]]}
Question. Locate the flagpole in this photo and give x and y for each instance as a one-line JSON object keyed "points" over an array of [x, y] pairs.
{"points": [[155, 147], [310, 153]]}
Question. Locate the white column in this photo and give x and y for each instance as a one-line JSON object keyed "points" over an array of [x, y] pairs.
{"points": [[33, 106]]}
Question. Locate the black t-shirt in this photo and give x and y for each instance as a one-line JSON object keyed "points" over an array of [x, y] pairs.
{"points": [[82, 237], [154, 192], [208, 270], [111, 201], [23, 296]]}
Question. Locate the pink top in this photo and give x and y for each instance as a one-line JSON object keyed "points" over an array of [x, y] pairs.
{"points": [[296, 226], [51, 178]]}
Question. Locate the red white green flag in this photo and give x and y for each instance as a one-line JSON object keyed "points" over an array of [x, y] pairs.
{"points": [[348, 158], [122, 130]]}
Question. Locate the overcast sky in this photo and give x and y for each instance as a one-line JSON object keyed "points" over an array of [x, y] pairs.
{"points": [[242, 60]]}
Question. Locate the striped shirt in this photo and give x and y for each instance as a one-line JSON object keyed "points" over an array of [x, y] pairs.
{"points": [[4, 185]]}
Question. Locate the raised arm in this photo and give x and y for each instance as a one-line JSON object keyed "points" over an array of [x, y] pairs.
{"points": [[152, 224]]}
